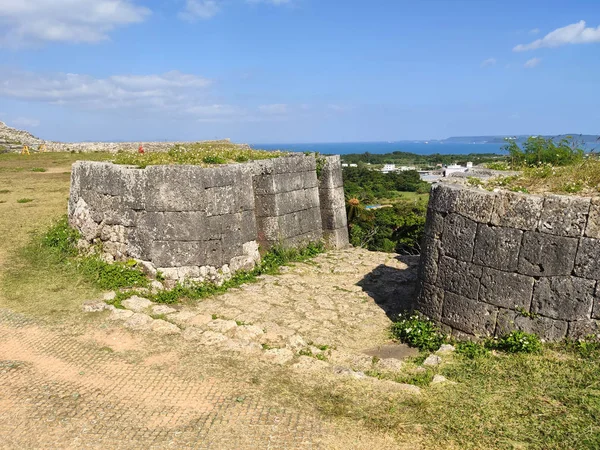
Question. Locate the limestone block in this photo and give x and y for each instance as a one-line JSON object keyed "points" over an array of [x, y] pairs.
{"points": [[517, 210], [175, 188], [293, 163], [475, 204], [469, 316], [164, 328], [183, 253], [283, 182], [592, 228], [430, 300], [332, 198], [428, 266], [564, 216], [544, 327], [582, 329], [459, 277], [333, 219], [139, 321], [508, 290], [215, 177], [331, 173], [563, 298], [497, 247], [174, 226], [137, 304], [587, 262], [434, 223], [336, 239], [546, 255], [286, 202], [458, 237], [443, 197]]}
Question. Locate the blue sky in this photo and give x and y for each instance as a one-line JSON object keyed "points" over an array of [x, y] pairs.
{"points": [[298, 70]]}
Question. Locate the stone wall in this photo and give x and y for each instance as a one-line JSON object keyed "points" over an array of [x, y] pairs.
{"points": [[493, 262], [200, 223]]}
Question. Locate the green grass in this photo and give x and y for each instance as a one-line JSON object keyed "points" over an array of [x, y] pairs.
{"points": [[200, 153], [24, 200], [38, 169]]}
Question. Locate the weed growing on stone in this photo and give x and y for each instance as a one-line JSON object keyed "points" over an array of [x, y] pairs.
{"points": [[199, 153], [418, 332]]}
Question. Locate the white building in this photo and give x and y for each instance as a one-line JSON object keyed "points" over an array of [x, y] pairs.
{"points": [[389, 168], [453, 168]]}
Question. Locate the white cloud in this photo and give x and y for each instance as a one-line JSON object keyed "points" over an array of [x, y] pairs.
{"points": [[489, 62], [533, 62], [200, 9], [25, 22], [24, 122], [534, 31], [277, 108], [576, 33]]}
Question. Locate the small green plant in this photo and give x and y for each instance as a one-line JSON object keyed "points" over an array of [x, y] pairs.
{"points": [[588, 347], [524, 313], [160, 276], [474, 181], [38, 169], [417, 332], [24, 200], [4, 191], [498, 165], [517, 342], [472, 350]]}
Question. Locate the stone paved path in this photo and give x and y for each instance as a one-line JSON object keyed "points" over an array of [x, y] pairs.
{"points": [[91, 383]]}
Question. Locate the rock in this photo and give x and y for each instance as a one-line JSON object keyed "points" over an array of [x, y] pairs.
{"points": [[247, 332], [156, 286], [446, 348], [308, 364], [109, 296], [344, 371], [198, 320], [136, 304], [432, 360], [192, 334], [182, 317], [163, 327], [121, 314], [139, 321], [438, 379], [391, 364], [390, 385], [239, 346], [221, 325], [162, 309], [94, 306], [296, 343], [212, 338], [278, 355]]}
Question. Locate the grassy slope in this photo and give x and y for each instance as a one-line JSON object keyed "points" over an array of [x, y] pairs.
{"points": [[547, 401]]}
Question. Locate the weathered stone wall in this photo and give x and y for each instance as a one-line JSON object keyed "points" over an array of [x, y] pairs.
{"points": [[203, 223], [493, 262]]}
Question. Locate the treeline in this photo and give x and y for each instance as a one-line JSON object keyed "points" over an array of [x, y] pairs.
{"points": [[370, 185], [407, 158]]}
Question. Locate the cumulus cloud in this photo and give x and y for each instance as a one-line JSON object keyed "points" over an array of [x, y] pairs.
{"points": [[200, 9], [25, 22], [533, 62], [576, 33], [489, 62]]}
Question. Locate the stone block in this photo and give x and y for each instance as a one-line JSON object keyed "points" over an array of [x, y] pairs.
{"points": [[458, 237], [582, 329], [516, 210], [596, 307], [546, 255], [469, 316], [563, 298], [331, 173], [178, 253], [174, 226], [428, 265], [332, 198], [294, 163], [564, 216], [222, 200], [311, 220], [336, 239], [475, 204], [286, 202], [544, 327], [507, 290], [587, 262], [175, 188], [443, 197], [434, 223], [459, 277], [430, 300], [497, 247], [284, 182], [332, 219], [592, 228]]}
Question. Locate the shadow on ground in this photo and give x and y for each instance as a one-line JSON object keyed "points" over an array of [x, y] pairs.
{"points": [[391, 288]]}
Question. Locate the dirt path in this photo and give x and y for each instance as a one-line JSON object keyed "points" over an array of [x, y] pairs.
{"points": [[91, 383]]}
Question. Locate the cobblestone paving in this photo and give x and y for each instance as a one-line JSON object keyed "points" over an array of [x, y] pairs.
{"points": [[98, 385]]}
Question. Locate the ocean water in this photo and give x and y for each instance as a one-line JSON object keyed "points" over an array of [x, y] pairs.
{"points": [[420, 148]]}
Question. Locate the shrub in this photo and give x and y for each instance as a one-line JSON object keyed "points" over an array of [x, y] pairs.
{"points": [[517, 342], [539, 150], [62, 238], [417, 332], [472, 350]]}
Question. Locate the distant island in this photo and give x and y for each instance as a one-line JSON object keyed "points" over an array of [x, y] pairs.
{"points": [[582, 138]]}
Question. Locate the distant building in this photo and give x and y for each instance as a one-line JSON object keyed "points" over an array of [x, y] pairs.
{"points": [[344, 165], [405, 168], [353, 165], [389, 168], [453, 168]]}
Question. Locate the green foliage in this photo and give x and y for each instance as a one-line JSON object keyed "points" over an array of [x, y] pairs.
{"points": [[409, 159], [498, 165], [368, 185], [417, 332], [539, 150], [472, 350], [24, 200], [62, 241], [199, 153], [474, 181], [38, 169], [588, 347], [517, 342]]}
